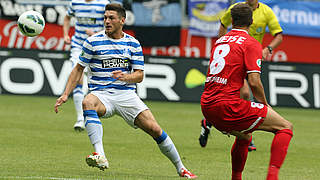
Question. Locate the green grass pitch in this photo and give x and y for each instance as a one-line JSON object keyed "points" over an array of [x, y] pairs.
{"points": [[36, 143]]}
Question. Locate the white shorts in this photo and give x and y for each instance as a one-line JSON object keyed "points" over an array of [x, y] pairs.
{"points": [[124, 103]]}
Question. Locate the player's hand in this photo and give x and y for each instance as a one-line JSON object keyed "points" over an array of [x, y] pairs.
{"points": [[62, 99], [118, 74], [266, 55], [67, 39], [89, 32]]}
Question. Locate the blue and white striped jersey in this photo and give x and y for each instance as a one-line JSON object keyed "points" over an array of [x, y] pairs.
{"points": [[89, 15], [103, 55]]}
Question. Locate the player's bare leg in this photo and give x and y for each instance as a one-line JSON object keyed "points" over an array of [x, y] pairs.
{"points": [[146, 121], [283, 134]]}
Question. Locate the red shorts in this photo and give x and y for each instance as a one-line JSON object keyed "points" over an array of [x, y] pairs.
{"points": [[238, 115]]}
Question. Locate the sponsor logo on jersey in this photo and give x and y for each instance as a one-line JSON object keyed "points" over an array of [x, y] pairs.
{"points": [[115, 63], [86, 20]]}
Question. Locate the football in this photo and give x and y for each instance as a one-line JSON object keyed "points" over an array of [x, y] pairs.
{"points": [[31, 23]]}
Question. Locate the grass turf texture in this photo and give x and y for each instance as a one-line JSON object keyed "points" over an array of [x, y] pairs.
{"points": [[36, 143]]}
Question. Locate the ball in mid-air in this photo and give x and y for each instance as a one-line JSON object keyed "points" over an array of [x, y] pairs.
{"points": [[31, 23]]}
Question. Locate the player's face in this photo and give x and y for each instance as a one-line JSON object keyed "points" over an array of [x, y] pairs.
{"points": [[112, 22]]}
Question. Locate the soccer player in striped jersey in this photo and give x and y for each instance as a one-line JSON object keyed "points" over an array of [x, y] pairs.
{"points": [[263, 16], [115, 64], [89, 16]]}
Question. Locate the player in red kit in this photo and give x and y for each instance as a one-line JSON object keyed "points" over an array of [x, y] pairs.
{"points": [[234, 57]]}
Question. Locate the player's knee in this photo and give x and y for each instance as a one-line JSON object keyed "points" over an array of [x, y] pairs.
{"points": [[285, 125], [87, 104], [289, 125], [155, 130]]}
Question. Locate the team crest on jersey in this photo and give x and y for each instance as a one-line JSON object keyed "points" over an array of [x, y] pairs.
{"points": [[82, 53], [115, 63], [126, 52], [259, 63], [259, 30]]}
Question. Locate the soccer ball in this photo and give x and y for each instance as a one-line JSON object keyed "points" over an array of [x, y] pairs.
{"points": [[31, 23]]}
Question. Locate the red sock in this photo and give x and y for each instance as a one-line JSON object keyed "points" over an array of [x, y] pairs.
{"points": [[279, 149], [239, 154], [236, 175]]}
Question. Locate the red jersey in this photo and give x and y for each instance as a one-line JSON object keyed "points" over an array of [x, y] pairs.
{"points": [[233, 56]]}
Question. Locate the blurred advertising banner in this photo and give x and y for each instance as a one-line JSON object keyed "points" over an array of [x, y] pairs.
{"points": [[292, 48], [204, 16], [298, 18], [292, 84], [39, 72], [173, 79], [53, 11], [50, 39], [31, 72], [154, 22]]}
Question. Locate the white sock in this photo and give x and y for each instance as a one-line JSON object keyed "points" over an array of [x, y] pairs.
{"points": [[98, 148], [168, 149], [77, 99], [94, 130]]}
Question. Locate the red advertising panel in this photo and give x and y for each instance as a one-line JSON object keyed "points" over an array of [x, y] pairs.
{"points": [[50, 39], [292, 49], [296, 49]]}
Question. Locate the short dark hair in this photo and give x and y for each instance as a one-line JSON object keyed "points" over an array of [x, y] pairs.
{"points": [[241, 15], [116, 7]]}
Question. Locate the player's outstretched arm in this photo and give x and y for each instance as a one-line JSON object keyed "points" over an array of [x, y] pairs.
{"points": [[135, 77], [71, 84]]}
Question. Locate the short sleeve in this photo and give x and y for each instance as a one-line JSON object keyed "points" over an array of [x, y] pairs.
{"points": [[273, 23], [70, 11], [253, 56], [226, 18], [86, 54], [137, 59]]}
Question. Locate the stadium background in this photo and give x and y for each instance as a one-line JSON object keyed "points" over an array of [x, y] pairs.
{"points": [[171, 33]]}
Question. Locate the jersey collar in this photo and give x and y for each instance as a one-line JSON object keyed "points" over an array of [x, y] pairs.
{"points": [[240, 30]]}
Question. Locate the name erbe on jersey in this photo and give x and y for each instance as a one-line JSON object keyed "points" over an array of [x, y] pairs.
{"points": [[115, 63], [236, 39], [86, 20], [217, 79]]}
